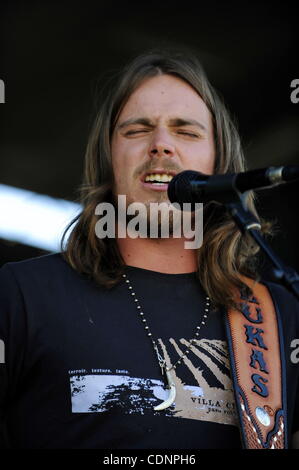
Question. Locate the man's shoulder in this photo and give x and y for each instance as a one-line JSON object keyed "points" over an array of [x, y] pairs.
{"points": [[49, 266], [286, 304], [39, 262], [280, 292]]}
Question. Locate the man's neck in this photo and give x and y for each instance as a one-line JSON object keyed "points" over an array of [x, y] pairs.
{"points": [[160, 255]]}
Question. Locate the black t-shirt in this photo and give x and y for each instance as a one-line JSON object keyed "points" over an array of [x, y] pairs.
{"points": [[80, 371]]}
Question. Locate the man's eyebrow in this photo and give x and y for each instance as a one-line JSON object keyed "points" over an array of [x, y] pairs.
{"points": [[178, 122]]}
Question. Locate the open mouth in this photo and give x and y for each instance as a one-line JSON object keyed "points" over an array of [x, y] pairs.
{"points": [[157, 180]]}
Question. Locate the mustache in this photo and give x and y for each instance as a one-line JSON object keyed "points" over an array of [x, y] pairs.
{"points": [[164, 165]]}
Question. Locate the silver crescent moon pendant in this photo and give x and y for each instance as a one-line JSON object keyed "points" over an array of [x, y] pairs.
{"points": [[165, 404]]}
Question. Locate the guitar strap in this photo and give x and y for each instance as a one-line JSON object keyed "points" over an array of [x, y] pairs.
{"points": [[256, 358]]}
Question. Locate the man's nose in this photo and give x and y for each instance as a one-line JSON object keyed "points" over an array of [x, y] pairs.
{"points": [[161, 145]]}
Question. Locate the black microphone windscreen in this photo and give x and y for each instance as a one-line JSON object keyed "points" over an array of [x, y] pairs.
{"points": [[179, 188]]}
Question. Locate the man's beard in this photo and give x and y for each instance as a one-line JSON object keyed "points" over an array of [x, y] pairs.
{"points": [[165, 223]]}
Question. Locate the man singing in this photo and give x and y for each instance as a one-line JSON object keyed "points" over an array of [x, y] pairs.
{"points": [[123, 341]]}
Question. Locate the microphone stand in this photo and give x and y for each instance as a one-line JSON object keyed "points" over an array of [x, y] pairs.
{"points": [[236, 204]]}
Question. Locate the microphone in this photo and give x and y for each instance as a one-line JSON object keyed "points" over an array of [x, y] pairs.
{"points": [[192, 186]]}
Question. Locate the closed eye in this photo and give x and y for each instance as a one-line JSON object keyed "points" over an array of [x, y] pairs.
{"points": [[136, 132], [140, 131], [188, 133]]}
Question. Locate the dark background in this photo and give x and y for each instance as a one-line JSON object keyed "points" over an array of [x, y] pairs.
{"points": [[55, 58]]}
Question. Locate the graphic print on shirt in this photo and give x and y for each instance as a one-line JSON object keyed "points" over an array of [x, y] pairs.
{"points": [[101, 390]]}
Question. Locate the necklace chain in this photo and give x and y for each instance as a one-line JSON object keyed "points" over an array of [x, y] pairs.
{"points": [[141, 314]]}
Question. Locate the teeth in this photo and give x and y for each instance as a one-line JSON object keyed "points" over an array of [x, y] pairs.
{"points": [[163, 178]]}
